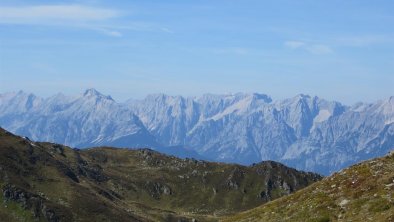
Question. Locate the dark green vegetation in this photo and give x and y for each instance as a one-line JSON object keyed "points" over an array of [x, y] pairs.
{"points": [[51, 182], [363, 192]]}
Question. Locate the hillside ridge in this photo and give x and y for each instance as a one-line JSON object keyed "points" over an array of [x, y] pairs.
{"points": [[362, 192], [52, 182]]}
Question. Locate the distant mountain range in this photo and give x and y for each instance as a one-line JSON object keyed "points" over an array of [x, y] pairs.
{"points": [[305, 132]]}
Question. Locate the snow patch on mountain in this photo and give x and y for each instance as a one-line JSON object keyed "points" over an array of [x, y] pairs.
{"points": [[322, 116]]}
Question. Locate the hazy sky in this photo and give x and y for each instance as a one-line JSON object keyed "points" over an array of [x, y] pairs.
{"points": [[339, 50]]}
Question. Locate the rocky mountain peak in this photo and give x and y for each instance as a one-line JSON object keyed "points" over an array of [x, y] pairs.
{"points": [[391, 100], [263, 97], [93, 93], [303, 96]]}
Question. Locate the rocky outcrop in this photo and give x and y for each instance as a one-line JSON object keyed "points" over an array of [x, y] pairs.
{"points": [[157, 189], [38, 205], [235, 178]]}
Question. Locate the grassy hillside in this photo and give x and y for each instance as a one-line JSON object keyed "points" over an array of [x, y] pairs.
{"points": [[363, 192], [51, 182]]}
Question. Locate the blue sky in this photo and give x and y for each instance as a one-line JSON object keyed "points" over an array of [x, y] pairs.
{"points": [[339, 50]]}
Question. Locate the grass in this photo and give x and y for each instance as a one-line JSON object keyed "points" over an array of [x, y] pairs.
{"points": [[125, 185], [363, 192], [12, 211]]}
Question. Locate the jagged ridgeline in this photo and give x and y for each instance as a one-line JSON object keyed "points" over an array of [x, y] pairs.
{"points": [[51, 182]]}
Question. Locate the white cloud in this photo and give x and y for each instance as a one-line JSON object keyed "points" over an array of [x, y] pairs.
{"points": [[318, 49], [49, 13]]}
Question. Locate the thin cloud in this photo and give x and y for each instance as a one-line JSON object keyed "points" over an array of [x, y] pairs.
{"points": [[78, 16], [294, 44], [231, 50], [113, 33], [317, 49], [46, 13], [365, 40], [166, 30], [97, 19], [109, 32]]}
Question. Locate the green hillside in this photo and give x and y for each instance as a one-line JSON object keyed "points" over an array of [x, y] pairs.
{"points": [[363, 192], [51, 182]]}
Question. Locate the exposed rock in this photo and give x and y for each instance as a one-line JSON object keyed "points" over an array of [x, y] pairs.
{"points": [[156, 189], [265, 195], [93, 171], [286, 187], [59, 149], [31, 202], [68, 172], [343, 203], [235, 178]]}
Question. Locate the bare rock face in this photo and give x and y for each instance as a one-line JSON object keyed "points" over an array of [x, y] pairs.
{"points": [[234, 179], [35, 203], [157, 189]]}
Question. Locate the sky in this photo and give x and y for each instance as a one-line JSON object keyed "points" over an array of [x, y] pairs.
{"points": [[337, 50]]}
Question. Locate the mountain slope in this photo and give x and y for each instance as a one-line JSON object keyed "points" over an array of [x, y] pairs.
{"points": [[363, 192], [52, 182]]}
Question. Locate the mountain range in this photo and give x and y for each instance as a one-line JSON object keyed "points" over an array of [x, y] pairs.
{"points": [[308, 133]]}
